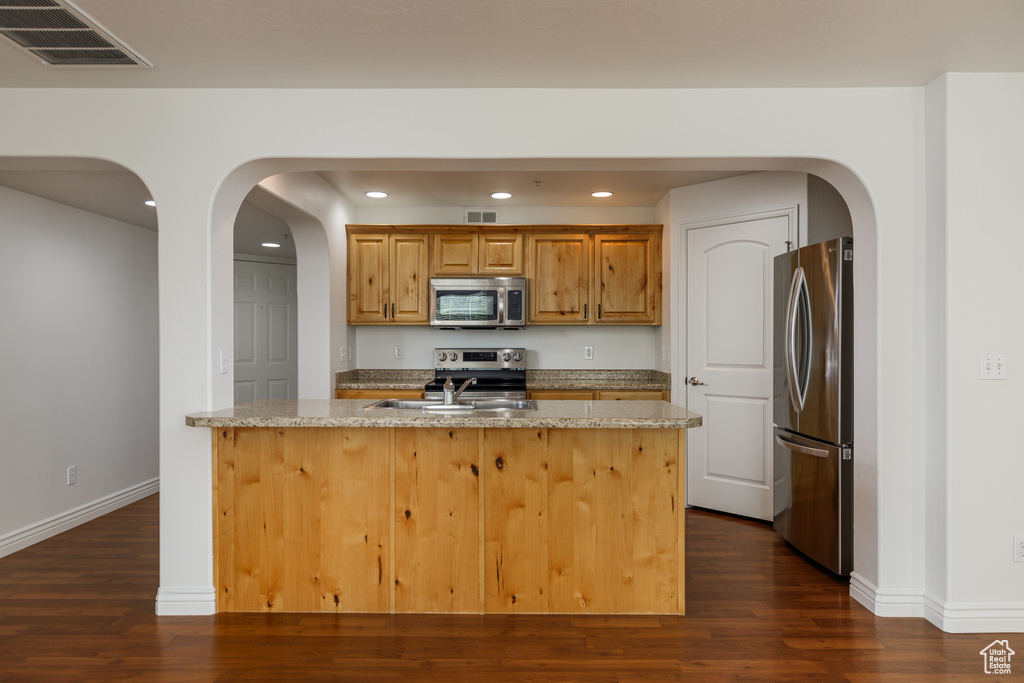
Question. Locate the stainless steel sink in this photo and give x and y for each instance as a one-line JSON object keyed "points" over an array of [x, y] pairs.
{"points": [[489, 404]]}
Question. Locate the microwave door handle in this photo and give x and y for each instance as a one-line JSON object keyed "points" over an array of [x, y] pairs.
{"points": [[501, 305]]}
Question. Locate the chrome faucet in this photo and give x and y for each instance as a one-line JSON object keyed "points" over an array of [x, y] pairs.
{"points": [[450, 393]]}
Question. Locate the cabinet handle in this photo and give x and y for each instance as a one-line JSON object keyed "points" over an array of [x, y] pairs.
{"points": [[392, 311], [599, 311], [584, 311], [385, 311]]}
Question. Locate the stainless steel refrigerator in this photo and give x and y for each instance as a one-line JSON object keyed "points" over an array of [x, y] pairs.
{"points": [[813, 401]]}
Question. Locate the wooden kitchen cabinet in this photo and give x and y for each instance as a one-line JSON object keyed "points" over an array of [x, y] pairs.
{"points": [[488, 254], [387, 278], [558, 267], [455, 253], [500, 255], [600, 395], [561, 394], [627, 279], [632, 395], [378, 393]]}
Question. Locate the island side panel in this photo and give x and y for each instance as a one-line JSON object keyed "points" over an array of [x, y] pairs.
{"points": [[582, 521], [681, 521], [302, 523], [528, 523], [436, 520]]}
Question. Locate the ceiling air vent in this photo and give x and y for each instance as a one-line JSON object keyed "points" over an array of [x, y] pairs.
{"points": [[60, 34], [478, 216]]}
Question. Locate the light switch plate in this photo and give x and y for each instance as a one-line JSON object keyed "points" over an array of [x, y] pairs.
{"points": [[993, 366]]}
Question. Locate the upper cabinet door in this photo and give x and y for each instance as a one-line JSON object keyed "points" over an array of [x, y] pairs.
{"points": [[628, 279], [501, 254], [455, 254], [409, 282], [559, 272], [368, 275]]}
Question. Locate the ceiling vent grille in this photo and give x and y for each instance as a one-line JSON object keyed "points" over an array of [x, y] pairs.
{"points": [[478, 216], [60, 34]]}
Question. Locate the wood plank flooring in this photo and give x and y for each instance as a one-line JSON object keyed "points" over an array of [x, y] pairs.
{"points": [[79, 607]]}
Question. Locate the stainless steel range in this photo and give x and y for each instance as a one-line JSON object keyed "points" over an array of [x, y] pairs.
{"points": [[499, 373]]}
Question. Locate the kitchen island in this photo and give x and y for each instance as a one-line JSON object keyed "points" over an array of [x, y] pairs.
{"points": [[576, 507]]}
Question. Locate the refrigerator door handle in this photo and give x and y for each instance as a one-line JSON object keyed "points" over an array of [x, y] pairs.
{"points": [[806, 450], [799, 377]]}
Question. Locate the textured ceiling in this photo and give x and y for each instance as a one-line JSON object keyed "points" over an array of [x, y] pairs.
{"points": [[542, 43]]}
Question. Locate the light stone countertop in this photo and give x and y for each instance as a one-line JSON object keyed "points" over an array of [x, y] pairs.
{"points": [[351, 413]]}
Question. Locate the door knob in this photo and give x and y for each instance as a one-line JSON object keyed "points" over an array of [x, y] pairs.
{"points": [[694, 382]]}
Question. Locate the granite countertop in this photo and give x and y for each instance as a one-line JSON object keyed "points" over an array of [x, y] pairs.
{"points": [[535, 379], [351, 413]]}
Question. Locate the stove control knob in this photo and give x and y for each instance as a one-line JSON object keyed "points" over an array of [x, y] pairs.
{"points": [[506, 356], [441, 357], [517, 356], [455, 356]]}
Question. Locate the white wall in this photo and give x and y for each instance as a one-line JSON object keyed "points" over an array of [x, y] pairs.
{"points": [[78, 358], [985, 459], [201, 151], [508, 215]]}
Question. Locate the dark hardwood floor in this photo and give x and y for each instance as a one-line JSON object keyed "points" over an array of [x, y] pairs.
{"points": [[79, 607]]}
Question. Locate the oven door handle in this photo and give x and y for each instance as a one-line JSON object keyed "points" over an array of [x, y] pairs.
{"points": [[501, 305]]}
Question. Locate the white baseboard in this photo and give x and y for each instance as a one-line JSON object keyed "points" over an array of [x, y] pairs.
{"points": [[40, 531], [186, 601], [998, 618], [886, 603]]}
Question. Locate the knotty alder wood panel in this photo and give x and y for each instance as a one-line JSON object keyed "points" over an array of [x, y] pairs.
{"points": [[448, 520], [583, 521], [378, 393], [437, 528], [559, 271], [628, 278], [301, 519]]}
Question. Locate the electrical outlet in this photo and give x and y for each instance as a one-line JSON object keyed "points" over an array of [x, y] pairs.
{"points": [[993, 366], [588, 353], [1018, 548], [399, 352], [223, 361], [344, 354], [72, 475]]}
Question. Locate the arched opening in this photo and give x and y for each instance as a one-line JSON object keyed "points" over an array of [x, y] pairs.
{"points": [[80, 344], [300, 189]]}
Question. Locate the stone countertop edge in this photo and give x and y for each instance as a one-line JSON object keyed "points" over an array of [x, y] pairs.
{"points": [[610, 380], [549, 415]]}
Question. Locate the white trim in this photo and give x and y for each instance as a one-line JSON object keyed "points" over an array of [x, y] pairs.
{"points": [[886, 603], [40, 531], [975, 618], [186, 601]]}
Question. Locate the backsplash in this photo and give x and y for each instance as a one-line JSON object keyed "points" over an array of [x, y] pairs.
{"points": [[554, 347]]}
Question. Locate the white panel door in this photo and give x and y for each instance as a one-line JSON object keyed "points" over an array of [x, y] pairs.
{"points": [[729, 349], [266, 331]]}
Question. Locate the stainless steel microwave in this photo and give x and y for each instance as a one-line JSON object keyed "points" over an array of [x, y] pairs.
{"points": [[478, 302]]}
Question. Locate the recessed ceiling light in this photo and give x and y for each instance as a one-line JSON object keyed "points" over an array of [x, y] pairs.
{"points": [[600, 194], [150, 202], [501, 195], [271, 244], [377, 195]]}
